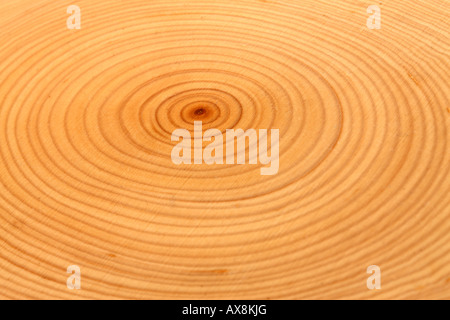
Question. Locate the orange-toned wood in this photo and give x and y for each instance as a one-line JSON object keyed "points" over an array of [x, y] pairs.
{"points": [[86, 118]]}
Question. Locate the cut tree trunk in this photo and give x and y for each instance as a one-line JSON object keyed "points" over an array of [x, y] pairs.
{"points": [[87, 179]]}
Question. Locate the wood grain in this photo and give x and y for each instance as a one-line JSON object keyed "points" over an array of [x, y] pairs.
{"points": [[87, 179]]}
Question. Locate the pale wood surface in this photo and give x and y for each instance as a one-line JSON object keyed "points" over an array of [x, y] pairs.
{"points": [[86, 176]]}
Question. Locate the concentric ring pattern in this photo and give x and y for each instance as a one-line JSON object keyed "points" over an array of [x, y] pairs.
{"points": [[86, 118]]}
